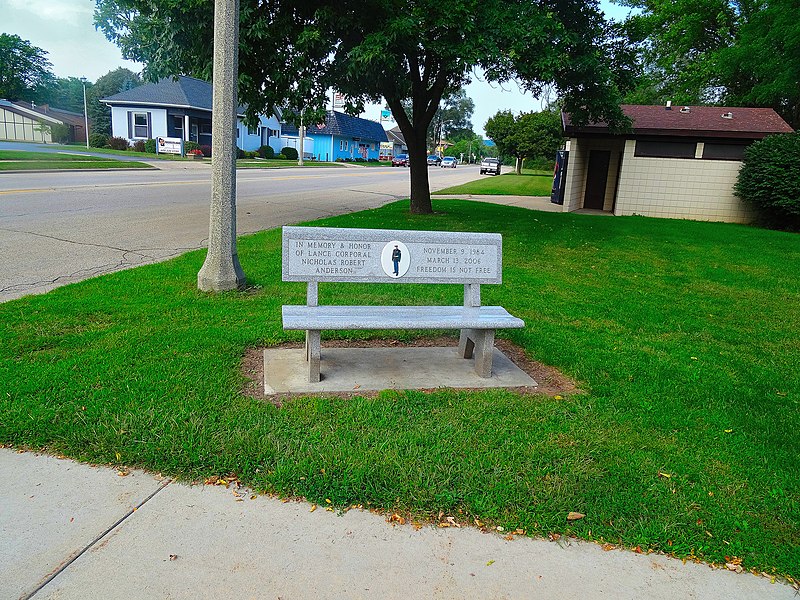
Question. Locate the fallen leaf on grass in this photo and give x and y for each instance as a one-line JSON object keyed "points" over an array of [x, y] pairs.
{"points": [[313, 508], [733, 567], [478, 523], [395, 518], [664, 475], [553, 537], [574, 516], [608, 547]]}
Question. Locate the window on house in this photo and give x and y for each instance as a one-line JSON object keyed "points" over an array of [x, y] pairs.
{"points": [[252, 130], [205, 128], [177, 124], [715, 151], [663, 149], [140, 125]]}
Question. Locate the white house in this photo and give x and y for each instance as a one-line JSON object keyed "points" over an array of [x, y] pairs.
{"points": [[181, 108]]}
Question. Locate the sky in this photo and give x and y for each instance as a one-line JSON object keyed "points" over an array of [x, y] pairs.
{"points": [[64, 29]]}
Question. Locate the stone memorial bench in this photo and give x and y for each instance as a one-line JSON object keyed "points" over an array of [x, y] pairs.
{"points": [[322, 254]]}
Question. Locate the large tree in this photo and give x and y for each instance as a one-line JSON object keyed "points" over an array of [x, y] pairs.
{"points": [[293, 51], [25, 71], [734, 52], [534, 135], [66, 93]]}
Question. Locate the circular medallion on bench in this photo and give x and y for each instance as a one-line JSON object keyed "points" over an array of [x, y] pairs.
{"points": [[395, 259]]}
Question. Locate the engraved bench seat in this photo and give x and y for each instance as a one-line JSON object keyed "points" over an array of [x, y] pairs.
{"points": [[321, 254]]}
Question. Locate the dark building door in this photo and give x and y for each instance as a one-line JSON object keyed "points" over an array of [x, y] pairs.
{"points": [[596, 179]]}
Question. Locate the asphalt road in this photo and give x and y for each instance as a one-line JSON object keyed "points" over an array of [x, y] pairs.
{"points": [[58, 228]]}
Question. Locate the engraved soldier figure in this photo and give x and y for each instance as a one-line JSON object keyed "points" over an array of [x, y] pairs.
{"points": [[396, 256]]}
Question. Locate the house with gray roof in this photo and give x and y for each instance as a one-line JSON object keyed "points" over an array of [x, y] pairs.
{"points": [[180, 107], [340, 137]]}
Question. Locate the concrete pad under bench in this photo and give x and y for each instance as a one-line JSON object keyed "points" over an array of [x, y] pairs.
{"points": [[363, 369]]}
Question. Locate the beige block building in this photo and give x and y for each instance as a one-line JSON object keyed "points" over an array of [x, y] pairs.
{"points": [[679, 163]]}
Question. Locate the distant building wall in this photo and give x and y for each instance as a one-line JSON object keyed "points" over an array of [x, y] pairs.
{"points": [[680, 188], [16, 127]]}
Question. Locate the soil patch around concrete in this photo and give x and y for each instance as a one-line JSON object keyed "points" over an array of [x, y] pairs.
{"points": [[551, 381]]}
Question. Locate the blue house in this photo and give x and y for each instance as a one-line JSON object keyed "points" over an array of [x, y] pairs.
{"points": [[341, 137]]}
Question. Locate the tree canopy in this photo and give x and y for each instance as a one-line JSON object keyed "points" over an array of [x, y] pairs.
{"points": [[733, 52], [535, 135], [293, 51], [25, 71], [111, 83]]}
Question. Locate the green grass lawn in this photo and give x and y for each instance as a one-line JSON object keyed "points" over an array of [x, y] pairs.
{"points": [[21, 160], [684, 336], [142, 155], [530, 183]]}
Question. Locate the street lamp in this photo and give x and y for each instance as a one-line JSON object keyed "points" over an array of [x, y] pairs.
{"points": [[85, 115]]}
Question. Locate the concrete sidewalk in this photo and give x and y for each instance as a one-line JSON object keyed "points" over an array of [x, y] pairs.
{"points": [[68, 530]]}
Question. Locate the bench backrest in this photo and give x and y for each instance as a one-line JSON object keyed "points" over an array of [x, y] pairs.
{"points": [[315, 254]]}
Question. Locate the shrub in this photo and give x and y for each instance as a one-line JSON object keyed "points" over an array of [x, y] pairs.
{"points": [[98, 140], [538, 164], [60, 133], [770, 179], [118, 143], [239, 153], [206, 150], [289, 153], [138, 146], [266, 152], [150, 146], [194, 152], [189, 146]]}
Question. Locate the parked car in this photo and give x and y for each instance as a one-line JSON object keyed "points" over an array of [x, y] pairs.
{"points": [[449, 162], [490, 165], [434, 160], [401, 160]]}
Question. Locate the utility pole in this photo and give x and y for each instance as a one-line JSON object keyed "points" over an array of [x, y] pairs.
{"points": [[85, 114], [302, 140], [221, 270]]}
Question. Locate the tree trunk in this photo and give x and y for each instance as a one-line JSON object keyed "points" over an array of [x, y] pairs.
{"points": [[416, 136], [420, 188]]}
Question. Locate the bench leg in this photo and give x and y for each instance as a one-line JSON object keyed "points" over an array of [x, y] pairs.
{"points": [[466, 343], [484, 348], [478, 343], [313, 350]]}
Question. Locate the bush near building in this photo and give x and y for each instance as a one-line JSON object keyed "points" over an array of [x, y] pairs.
{"points": [[118, 143], [770, 179], [98, 140], [289, 153]]}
